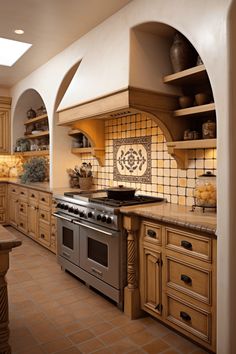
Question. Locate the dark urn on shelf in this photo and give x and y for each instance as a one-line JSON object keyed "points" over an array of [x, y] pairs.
{"points": [[31, 113], [182, 53]]}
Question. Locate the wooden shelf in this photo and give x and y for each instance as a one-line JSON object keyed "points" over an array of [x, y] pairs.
{"points": [[192, 76], [196, 110], [98, 153], [73, 132], [179, 149], [35, 136], [33, 153], [36, 119]]}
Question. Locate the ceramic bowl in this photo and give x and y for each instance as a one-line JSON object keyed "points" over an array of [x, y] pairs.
{"points": [[202, 98], [185, 101]]}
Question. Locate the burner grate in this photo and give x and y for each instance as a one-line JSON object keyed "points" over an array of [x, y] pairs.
{"points": [[141, 199]]}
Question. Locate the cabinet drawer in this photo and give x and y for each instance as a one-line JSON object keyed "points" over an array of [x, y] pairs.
{"points": [[22, 223], [22, 208], [44, 216], [189, 279], [44, 200], [33, 197], [189, 318], [44, 234], [2, 189], [193, 245], [23, 194], [13, 190], [152, 233], [53, 221]]}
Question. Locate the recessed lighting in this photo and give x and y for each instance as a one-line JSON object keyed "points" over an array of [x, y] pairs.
{"points": [[19, 31], [11, 51]]}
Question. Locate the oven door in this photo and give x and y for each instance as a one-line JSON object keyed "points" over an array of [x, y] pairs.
{"points": [[100, 252], [68, 239]]}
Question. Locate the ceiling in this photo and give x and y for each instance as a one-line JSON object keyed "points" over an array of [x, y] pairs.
{"points": [[50, 26]]}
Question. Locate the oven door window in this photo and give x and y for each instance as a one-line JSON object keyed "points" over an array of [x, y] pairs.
{"points": [[67, 237], [98, 252]]}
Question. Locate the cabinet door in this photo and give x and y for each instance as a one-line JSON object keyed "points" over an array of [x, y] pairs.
{"points": [[32, 221], [151, 281], [13, 211], [4, 130]]}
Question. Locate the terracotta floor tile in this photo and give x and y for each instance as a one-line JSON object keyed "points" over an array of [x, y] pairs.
{"points": [[112, 336], [81, 336], [101, 328], [90, 346], [141, 337], [103, 351], [72, 350], [56, 345], [71, 328], [131, 328], [30, 350], [123, 346], [155, 347]]}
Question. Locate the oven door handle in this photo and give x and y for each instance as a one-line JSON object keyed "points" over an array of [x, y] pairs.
{"points": [[57, 215], [92, 228]]}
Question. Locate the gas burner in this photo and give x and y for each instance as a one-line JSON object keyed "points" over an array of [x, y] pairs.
{"points": [[138, 199]]}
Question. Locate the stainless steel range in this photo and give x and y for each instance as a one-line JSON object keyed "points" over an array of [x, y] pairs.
{"points": [[91, 239]]}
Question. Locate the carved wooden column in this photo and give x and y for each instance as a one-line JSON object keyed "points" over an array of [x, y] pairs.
{"points": [[131, 294], [7, 242]]}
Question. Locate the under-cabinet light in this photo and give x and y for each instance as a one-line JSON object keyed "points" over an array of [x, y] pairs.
{"points": [[11, 51], [19, 31]]}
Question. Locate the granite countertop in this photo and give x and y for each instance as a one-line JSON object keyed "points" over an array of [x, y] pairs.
{"points": [[176, 215], [7, 240]]}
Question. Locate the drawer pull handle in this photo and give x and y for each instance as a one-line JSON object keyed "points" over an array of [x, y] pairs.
{"points": [[22, 193], [42, 215], [43, 199], [42, 236], [32, 196], [13, 190], [21, 209], [186, 279], [151, 233], [21, 224], [186, 245], [66, 254], [96, 271], [185, 316]]}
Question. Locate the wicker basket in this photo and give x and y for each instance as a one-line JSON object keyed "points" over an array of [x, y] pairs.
{"points": [[85, 183]]}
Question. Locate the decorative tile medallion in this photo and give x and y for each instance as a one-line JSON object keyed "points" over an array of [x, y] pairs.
{"points": [[132, 159]]}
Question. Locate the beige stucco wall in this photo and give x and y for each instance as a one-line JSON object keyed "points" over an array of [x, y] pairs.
{"points": [[105, 68]]}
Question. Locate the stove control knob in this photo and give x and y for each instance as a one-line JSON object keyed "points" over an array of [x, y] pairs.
{"points": [[104, 218], [71, 209], [62, 206], [90, 214], [81, 214], [59, 205], [109, 220], [66, 207], [76, 211], [99, 217]]}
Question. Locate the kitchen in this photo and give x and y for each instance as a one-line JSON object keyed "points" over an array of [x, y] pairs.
{"points": [[119, 74]]}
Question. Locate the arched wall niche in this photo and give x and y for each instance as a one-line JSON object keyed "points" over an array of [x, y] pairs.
{"points": [[28, 99]]}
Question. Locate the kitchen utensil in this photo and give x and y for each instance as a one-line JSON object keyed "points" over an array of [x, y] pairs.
{"points": [[121, 193]]}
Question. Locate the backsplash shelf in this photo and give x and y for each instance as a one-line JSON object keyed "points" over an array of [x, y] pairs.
{"points": [[98, 153], [38, 135], [179, 149], [33, 153], [36, 119]]}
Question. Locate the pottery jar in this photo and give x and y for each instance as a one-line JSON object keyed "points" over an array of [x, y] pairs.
{"points": [[209, 130], [182, 53]]}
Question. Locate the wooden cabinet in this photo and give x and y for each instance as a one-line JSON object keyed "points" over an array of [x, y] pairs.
{"points": [[177, 277], [192, 81], [30, 212], [3, 208], [5, 105]]}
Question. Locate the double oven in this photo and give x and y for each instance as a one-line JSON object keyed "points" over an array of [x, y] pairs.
{"points": [[92, 242]]}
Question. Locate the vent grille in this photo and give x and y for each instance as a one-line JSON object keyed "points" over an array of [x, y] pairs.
{"points": [[119, 114]]}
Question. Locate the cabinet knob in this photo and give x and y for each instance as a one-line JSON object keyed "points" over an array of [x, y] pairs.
{"points": [[42, 236], [186, 279], [186, 245], [151, 233], [21, 209], [42, 215], [43, 199], [185, 316], [32, 196], [21, 224]]}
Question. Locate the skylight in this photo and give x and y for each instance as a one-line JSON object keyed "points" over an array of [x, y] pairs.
{"points": [[11, 51]]}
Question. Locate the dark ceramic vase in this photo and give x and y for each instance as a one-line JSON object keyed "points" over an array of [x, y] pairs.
{"points": [[31, 113], [182, 54]]}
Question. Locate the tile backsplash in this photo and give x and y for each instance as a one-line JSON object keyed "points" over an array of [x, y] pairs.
{"points": [[10, 165], [137, 141]]}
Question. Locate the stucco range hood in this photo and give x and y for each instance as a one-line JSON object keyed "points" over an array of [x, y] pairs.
{"points": [[120, 103]]}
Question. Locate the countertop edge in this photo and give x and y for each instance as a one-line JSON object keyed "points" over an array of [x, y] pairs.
{"points": [[7, 240]]}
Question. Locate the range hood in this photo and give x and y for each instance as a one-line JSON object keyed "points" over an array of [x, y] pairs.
{"points": [[121, 103]]}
